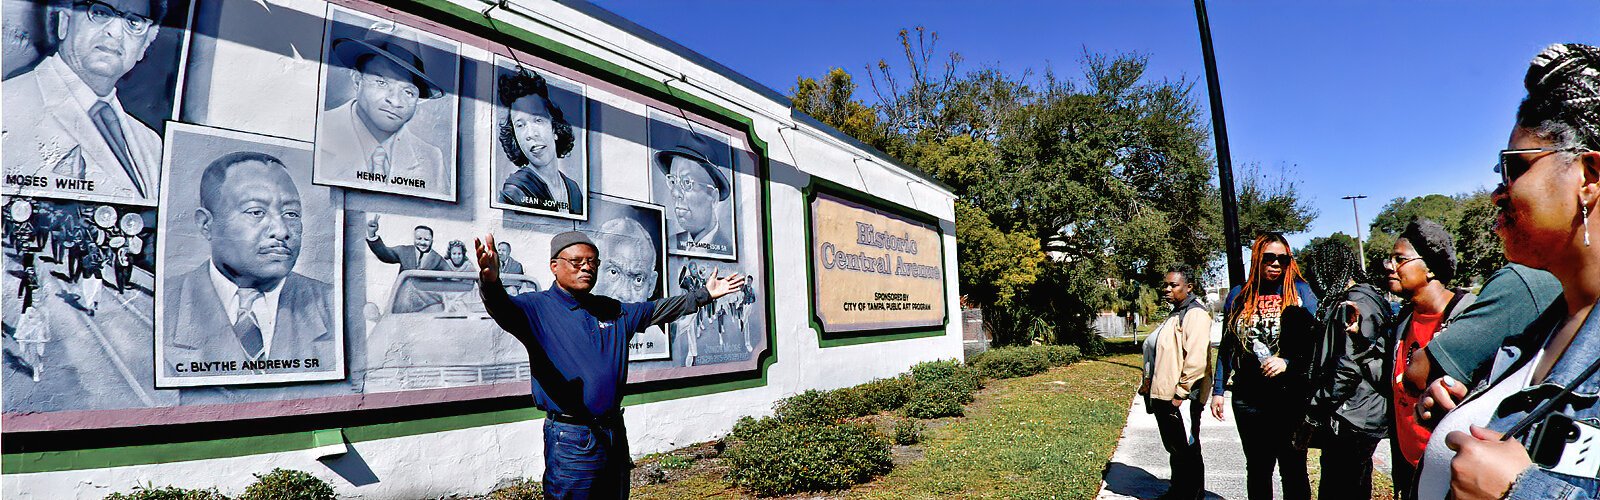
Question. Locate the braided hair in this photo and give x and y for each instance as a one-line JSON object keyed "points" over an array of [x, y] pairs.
{"points": [[1563, 103]]}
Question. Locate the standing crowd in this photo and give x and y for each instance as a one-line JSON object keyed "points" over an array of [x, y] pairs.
{"points": [[1481, 396]]}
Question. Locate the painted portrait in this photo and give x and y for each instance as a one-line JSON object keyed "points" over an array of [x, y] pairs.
{"points": [[88, 86], [540, 152], [389, 97], [249, 281], [693, 178]]}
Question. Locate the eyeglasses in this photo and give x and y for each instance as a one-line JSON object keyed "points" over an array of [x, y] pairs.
{"points": [[101, 13], [1395, 261], [1513, 164], [580, 262], [1283, 259], [683, 183]]}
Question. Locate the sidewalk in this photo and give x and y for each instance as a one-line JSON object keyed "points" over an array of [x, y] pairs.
{"points": [[1139, 467]]}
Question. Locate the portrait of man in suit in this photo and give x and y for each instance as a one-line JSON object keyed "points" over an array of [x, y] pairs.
{"points": [[698, 189], [418, 255], [65, 129], [245, 311], [508, 265], [386, 136]]}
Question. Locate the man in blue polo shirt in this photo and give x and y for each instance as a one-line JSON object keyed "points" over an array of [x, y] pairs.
{"points": [[578, 348]]}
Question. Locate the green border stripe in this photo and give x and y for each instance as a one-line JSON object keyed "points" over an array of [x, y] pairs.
{"points": [[96, 458]]}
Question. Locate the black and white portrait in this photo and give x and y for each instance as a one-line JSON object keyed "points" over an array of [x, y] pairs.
{"points": [[692, 176], [249, 281], [87, 87], [387, 120], [540, 157], [79, 282], [629, 237]]}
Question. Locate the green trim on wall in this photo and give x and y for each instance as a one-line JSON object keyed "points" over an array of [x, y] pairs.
{"points": [[825, 339], [474, 23]]}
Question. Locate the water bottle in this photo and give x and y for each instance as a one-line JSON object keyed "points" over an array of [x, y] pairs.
{"points": [[1261, 351]]}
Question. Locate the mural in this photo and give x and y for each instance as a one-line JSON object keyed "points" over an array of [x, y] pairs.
{"points": [[283, 210], [388, 115]]}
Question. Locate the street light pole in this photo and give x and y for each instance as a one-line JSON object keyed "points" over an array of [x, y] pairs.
{"points": [[1219, 127], [1360, 246]]}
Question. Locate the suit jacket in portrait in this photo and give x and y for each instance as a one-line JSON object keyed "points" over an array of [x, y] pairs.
{"points": [[406, 255], [524, 188], [510, 266], [341, 152], [48, 132], [201, 331]]}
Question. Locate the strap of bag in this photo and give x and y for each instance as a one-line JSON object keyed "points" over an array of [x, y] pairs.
{"points": [[1591, 326]]}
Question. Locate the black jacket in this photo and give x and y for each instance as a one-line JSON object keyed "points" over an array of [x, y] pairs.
{"points": [[1349, 389]]}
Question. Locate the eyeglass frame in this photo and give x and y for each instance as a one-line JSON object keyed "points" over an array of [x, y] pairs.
{"points": [[129, 19], [1395, 265], [1505, 176], [578, 263], [675, 182]]}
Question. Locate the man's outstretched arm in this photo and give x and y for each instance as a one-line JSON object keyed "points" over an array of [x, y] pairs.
{"points": [[495, 299], [672, 308]]}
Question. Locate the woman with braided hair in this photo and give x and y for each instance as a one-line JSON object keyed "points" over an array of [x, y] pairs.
{"points": [[1541, 393], [1268, 332]]}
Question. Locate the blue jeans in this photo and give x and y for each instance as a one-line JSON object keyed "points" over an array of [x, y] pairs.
{"points": [[583, 462]]}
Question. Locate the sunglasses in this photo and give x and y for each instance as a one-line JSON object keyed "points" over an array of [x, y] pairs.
{"points": [[1283, 259], [1514, 162]]}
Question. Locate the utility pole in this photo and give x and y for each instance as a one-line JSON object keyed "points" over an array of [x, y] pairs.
{"points": [[1219, 127], [1360, 245]]}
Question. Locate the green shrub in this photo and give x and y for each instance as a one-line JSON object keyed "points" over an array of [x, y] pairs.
{"points": [[1062, 355], [940, 389], [950, 372], [908, 431], [748, 427], [149, 492], [1012, 362], [676, 462], [285, 484], [886, 394], [788, 459], [521, 489], [815, 407]]}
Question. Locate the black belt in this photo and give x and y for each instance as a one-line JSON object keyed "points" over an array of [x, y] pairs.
{"points": [[607, 420]]}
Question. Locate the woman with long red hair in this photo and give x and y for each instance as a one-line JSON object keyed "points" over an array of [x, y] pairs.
{"points": [[1268, 331]]}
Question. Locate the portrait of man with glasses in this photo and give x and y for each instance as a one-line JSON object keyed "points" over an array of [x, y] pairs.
{"points": [[694, 181], [66, 132]]}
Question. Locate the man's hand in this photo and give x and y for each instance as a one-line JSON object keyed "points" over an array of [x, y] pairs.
{"points": [[372, 227], [488, 260], [1484, 467], [1274, 366], [1177, 402], [1352, 318], [1440, 398], [1216, 407], [723, 286]]}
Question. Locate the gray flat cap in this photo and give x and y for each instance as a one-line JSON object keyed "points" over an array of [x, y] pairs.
{"points": [[567, 239]]}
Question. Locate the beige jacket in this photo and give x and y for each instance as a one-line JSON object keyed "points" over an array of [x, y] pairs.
{"points": [[1183, 357]]}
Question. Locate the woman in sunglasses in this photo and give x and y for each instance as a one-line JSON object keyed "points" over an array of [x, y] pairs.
{"points": [[1268, 331], [1541, 393]]}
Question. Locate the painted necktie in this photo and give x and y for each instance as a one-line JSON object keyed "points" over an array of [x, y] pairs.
{"points": [[244, 325], [378, 163], [105, 120]]}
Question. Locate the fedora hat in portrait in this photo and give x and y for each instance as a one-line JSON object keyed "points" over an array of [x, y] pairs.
{"points": [[401, 49], [695, 147]]}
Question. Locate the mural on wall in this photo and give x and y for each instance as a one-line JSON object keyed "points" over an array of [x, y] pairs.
{"points": [[249, 282], [692, 168], [541, 135], [388, 116], [87, 88], [79, 278], [287, 257]]}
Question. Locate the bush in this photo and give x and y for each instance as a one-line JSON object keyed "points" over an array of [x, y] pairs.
{"points": [[1012, 362], [149, 492], [1062, 355], [521, 489], [285, 484], [947, 372], [940, 389], [908, 431], [793, 458], [821, 407], [886, 394], [748, 427]]}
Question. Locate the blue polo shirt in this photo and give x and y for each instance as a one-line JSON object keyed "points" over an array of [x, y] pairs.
{"points": [[579, 349]]}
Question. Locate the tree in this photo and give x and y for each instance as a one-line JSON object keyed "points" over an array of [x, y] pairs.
{"points": [[1478, 249], [1271, 202], [1401, 211], [832, 101]]}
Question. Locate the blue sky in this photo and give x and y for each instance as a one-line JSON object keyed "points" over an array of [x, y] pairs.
{"points": [[1385, 99]]}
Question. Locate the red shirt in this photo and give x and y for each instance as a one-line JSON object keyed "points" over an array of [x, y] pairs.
{"points": [[1413, 437]]}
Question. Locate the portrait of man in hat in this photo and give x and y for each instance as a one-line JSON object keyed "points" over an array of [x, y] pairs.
{"points": [[540, 164], [66, 132], [378, 139], [694, 183]]}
